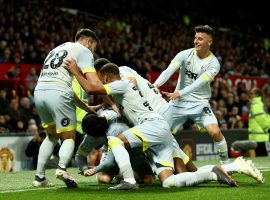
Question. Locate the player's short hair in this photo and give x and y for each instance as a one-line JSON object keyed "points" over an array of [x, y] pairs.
{"points": [[110, 69], [100, 62], [86, 32], [205, 29], [94, 125]]}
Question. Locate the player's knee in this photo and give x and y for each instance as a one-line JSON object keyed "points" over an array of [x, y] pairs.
{"points": [[104, 178]]}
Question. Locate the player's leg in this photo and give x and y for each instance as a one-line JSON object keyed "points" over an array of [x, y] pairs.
{"points": [[47, 146], [141, 166], [64, 108], [206, 118], [45, 152], [240, 165], [118, 147]]}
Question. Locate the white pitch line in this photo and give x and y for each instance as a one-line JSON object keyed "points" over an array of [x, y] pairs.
{"points": [[32, 189], [262, 169]]}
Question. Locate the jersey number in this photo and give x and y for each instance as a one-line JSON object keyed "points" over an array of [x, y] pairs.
{"points": [[55, 60], [207, 110]]}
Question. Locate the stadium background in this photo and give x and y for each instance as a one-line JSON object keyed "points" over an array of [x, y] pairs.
{"points": [[144, 35]]}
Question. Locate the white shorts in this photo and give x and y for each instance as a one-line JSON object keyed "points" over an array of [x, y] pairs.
{"points": [[56, 107], [155, 137], [200, 112]]}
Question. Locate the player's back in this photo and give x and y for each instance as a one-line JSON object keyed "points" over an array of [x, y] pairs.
{"points": [[157, 102], [131, 102], [53, 74]]}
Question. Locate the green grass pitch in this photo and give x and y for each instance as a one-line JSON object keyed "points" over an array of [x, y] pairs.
{"points": [[17, 186]]}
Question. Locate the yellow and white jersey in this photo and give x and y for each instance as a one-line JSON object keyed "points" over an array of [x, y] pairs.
{"points": [[192, 67], [131, 102], [157, 102], [54, 75]]}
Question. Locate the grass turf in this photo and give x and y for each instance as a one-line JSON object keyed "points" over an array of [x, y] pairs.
{"points": [[18, 186]]}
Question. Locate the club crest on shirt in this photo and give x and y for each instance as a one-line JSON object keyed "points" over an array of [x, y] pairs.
{"points": [[65, 122]]}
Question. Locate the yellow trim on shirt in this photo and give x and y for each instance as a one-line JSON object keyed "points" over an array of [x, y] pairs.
{"points": [[206, 77], [108, 89], [167, 164], [89, 70], [48, 124], [175, 63], [209, 56], [114, 143], [186, 160], [144, 141], [69, 128]]}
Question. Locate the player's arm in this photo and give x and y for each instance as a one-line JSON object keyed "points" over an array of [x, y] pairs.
{"points": [[106, 163], [87, 145], [166, 74], [203, 79], [90, 83]]}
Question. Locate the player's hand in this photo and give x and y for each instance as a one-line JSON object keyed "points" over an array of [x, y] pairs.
{"points": [[71, 66], [116, 109], [171, 96], [89, 172], [132, 80], [93, 109], [155, 85]]}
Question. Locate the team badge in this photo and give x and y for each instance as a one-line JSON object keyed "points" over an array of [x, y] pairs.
{"points": [[6, 160], [65, 122]]}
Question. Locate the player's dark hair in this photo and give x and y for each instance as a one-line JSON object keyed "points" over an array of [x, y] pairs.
{"points": [[110, 69], [205, 29], [100, 62], [94, 125], [86, 32]]}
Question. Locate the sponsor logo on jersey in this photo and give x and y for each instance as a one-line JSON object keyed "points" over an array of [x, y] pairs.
{"points": [[191, 75]]}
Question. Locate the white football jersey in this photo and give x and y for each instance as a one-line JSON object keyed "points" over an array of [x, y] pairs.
{"points": [[157, 102], [191, 67], [130, 101], [54, 75]]}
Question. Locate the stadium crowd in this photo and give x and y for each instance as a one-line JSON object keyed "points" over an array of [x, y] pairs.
{"points": [[130, 35]]}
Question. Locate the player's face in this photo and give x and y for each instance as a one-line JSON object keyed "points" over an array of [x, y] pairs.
{"points": [[91, 45], [202, 41]]}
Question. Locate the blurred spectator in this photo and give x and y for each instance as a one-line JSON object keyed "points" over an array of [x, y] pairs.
{"points": [[25, 109], [3, 101], [31, 79], [259, 122], [3, 126], [33, 146], [14, 72]]}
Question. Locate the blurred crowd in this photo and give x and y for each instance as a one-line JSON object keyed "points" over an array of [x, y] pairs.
{"points": [[141, 34]]}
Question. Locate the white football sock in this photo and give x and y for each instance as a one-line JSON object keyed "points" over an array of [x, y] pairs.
{"points": [[189, 178], [45, 152], [66, 152], [122, 159]]}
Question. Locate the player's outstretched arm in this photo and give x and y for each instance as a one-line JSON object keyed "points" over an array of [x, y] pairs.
{"points": [[165, 75], [91, 84]]}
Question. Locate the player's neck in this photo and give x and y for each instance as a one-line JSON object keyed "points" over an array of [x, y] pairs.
{"points": [[203, 53]]}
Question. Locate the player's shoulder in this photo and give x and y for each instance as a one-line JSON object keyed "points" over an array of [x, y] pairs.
{"points": [[185, 53], [214, 61]]}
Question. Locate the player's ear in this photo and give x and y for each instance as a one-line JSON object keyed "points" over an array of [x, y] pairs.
{"points": [[105, 79]]}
